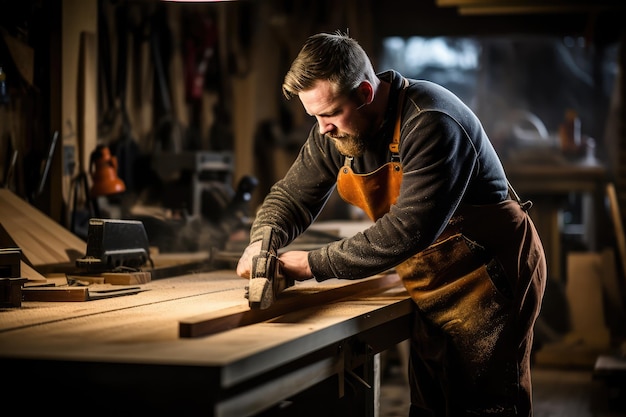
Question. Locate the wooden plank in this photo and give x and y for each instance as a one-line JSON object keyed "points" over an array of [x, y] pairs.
{"points": [[32, 250], [127, 278], [618, 225], [53, 251], [610, 366], [43, 241], [613, 294], [87, 86], [84, 279], [113, 278], [75, 293], [585, 298], [15, 209], [29, 272], [288, 301], [55, 294]]}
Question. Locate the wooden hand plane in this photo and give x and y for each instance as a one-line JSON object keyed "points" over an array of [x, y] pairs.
{"points": [[266, 279]]}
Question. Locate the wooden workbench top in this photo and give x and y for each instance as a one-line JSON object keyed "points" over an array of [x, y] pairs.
{"points": [[144, 327]]}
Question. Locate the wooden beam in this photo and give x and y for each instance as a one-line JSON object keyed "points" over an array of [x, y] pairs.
{"points": [[497, 7], [71, 294], [532, 4], [87, 86], [530, 9], [289, 300], [620, 235]]}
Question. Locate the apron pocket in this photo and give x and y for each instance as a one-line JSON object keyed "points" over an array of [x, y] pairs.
{"points": [[454, 291]]}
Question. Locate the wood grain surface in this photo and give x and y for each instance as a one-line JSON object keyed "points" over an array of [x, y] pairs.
{"points": [[144, 327], [42, 240], [291, 299]]}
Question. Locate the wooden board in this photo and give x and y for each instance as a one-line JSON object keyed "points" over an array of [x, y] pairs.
{"points": [[612, 292], [87, 120], [585, 298], [618, 225], [126, 278], [29, 272], [113, 278], [288, 301], [42, 240], [76, 293]]}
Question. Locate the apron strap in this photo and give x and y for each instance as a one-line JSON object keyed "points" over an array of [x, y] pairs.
{"points": [[394, 146], [526, 205]]}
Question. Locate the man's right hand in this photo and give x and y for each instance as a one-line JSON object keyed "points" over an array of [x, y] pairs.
{"points": [[244, 266]]}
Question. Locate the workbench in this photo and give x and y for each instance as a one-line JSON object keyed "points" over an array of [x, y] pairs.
{"points": [[125, 355]]}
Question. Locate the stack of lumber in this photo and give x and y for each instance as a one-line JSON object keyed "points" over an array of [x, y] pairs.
{"points": [[42, 240], [44, 243], [49, 247]]}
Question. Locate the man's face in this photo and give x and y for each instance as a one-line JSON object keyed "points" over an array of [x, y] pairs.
{"points": [[339, 117]]}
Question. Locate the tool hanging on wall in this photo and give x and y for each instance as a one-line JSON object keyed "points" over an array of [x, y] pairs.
{"points": [[45, 167], [168, 131], [103, 170], [79, 192], [206, 100], [125, 148], [109, 113]]}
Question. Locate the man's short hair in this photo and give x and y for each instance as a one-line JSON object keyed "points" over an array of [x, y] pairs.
{"points": [[334, 57]]}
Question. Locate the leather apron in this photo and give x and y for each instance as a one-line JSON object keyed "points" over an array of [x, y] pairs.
{"points": [[476, 303], [377, 191]]}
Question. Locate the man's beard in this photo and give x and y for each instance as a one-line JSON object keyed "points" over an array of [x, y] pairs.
{"points": [[349, 145]]}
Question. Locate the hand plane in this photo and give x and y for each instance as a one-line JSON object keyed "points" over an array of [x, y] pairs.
{"points": [[266, 280]]}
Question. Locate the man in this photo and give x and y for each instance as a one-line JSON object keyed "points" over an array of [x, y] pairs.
{"points": [[419, 163]]}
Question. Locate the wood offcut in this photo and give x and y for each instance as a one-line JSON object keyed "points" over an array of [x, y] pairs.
{"points": [[68, 293]]}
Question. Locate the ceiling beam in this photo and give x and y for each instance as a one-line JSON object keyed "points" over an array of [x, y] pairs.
{"points": [[502, 7]]}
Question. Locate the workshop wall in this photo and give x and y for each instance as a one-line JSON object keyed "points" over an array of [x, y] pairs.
{"points": [[206, 77]]}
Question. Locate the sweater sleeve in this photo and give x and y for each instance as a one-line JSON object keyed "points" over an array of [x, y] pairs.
{"points": [[296, 200]]}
